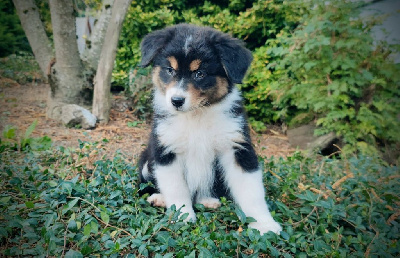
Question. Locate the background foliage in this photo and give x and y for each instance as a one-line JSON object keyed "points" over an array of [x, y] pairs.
{"points": [[312, 62], [77, 203], [12, 37], [330, 69]]}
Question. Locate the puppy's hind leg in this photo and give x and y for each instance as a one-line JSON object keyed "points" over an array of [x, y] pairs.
{"points": [[248, 192]]}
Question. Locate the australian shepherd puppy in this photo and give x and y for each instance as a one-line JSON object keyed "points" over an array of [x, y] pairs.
{"points": [[200, 148]]}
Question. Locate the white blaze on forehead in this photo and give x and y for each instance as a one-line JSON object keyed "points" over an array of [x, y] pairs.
{"points": [[186, 47], [180, 84]]}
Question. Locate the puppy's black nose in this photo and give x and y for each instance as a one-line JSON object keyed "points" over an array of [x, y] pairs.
{"points": [[177, 101]]}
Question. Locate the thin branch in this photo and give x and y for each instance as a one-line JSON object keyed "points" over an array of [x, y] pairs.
{"points": [[91, 204], [295, 224]]}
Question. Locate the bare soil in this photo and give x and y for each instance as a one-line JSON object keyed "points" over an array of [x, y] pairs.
{"points": [[21, 105]]}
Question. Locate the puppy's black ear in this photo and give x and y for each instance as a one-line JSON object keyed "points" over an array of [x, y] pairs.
{"points": [[153, 43], [235, 58]]}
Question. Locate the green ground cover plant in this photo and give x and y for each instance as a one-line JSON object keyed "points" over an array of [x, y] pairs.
{"points": [[75, 203]]}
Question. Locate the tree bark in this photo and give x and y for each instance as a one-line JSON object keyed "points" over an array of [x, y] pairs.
{"points": [[67, 78], [30, 20], [101, 98], [91, 55]]}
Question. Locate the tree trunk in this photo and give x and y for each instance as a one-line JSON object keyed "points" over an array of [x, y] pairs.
{"points": [[67, 78], [101, 98], [91, 54], [30, 20]]}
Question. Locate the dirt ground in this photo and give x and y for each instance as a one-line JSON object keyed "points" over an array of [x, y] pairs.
{"points": [[21, 105]]}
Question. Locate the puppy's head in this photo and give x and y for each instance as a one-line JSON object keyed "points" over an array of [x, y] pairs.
{"points": [[194, 66]]}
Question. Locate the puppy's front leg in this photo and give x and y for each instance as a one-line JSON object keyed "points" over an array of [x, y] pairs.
{"points": [[173, 186], [247, 190]]}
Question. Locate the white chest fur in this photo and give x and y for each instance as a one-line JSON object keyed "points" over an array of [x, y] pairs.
{"points": [[197, 137]]}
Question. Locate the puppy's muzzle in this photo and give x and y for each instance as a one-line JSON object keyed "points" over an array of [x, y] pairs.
{"points": [[177, 101]]}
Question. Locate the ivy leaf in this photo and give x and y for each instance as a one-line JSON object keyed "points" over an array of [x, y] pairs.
{"points": [[240, 214], [105, 217], [73, 254], [69, 206], [29, 205], [87, 229]]}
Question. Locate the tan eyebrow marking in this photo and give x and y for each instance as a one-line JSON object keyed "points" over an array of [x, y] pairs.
{"points": [[174, 63], [195, 64]]}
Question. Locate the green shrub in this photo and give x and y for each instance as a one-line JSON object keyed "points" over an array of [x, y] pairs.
{"points": [[12, 37], [82, 203], [312, 61], [138, 23], [330, 68]]}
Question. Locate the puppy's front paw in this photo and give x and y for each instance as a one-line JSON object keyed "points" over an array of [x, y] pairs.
{"points": [[265, 227], [210, 203], [156, 200]]}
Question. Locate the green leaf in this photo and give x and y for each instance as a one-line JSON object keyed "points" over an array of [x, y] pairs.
{"points": [[204, 252], [309, 65], [5, 200], [94, 227], [30, 129], [87, 229], [29, 204], [72, 225], [73, 254], [142, 249], [284, 235], [52, 183], [191, 255], [105, 217], [3, 232], [69, 206], [240, 214], [9, 132]]}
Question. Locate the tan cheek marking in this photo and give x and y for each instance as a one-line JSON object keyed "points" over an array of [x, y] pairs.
{"points": [[174, 63], [156, 78], [197, 97], [194, 65], [222, 87]]}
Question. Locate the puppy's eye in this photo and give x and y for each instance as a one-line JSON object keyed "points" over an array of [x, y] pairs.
{"points": [[170, 71], [198, 75]]}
